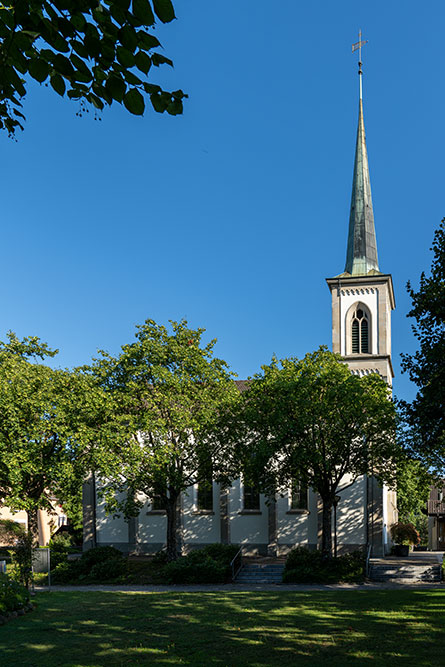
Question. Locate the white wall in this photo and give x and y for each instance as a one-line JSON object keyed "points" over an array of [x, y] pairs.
{"points": [[297, 528], [200, 527], [247, 528], [109, 529]]}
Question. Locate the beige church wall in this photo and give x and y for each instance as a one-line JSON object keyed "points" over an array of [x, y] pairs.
{"points": [[385, 316], [247, 528], [296, 527], [110, 530], [351, 512], [200, 527]]}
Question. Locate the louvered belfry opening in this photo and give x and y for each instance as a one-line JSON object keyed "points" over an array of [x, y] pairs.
{"points": [[360, 332]]}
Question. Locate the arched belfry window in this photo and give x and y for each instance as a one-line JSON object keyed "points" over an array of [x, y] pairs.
{"points": [[360, 326]]}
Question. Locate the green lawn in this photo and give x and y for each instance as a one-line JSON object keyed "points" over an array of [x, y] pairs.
{"points": [[386, 627]]}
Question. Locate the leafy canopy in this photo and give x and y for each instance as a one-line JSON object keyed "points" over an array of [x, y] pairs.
{"points": [[170, 393], [50, 419], [425, 416], [95, 51], [314, 422]]}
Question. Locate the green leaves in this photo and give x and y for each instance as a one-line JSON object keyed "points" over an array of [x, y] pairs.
{"points": [[134, 102], [39, 69], [116, 87], [58, 84], [170, 392], [87, 50], [143, 62], [164, 10], [143, 12]]}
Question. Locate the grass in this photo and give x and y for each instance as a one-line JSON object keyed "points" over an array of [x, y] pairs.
{"points": [[259, 629]]}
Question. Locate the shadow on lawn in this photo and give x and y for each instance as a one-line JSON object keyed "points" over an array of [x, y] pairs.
{"points": [[235, 628]]}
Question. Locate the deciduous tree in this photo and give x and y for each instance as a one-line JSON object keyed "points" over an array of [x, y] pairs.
{"points": [[95, 51], [425, 416], [313, 421], [49, 420], [170, 392]]}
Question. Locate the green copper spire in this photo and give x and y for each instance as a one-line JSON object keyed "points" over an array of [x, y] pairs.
{"points": [[361, 256]]}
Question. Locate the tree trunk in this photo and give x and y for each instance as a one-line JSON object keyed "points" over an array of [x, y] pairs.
{"points": [[172, 541], [326, 540], [33, 525]]}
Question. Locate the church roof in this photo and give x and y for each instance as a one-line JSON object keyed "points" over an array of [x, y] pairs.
{"points": [[361, 256]]}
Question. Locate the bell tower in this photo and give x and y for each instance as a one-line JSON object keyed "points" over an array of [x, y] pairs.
{"points": [[362, 296]]}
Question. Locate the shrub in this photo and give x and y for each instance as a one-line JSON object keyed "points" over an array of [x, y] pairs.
{"points": [[95, 565], [65, 573], [13, 596], [97, 555], [223, 553], [160, 557], [210, 565], [192, 569], [14, 535], [60, 546], [108, 570], [404, 533], [309, 567]]}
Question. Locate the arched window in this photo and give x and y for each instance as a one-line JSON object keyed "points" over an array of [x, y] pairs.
{"points": [[360, 331]]}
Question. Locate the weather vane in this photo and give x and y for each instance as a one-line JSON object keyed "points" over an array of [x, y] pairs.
{"points": [[358, 47]]}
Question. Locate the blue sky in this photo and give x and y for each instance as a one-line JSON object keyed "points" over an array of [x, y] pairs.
{"points": [[233, 214]]}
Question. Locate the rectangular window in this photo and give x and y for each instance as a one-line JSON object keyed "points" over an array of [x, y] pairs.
{"points": [[298, 498], [251, 498], [157, 503], [205, 496]]}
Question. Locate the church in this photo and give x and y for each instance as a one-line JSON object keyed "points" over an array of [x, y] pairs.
{"points": [[362, 301]]}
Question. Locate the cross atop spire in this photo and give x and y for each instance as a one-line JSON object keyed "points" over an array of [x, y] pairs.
{"points": [[361, 257], [358, 47]]}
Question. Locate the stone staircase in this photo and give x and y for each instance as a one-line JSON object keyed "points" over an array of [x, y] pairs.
{"points": [[261, 573], [417, 568]]}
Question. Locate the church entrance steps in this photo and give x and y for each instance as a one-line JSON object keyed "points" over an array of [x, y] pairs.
{"points": [[261, 573], [417, 568]]}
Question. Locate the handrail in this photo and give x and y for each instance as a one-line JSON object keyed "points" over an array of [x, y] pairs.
{"points": [[368, 556], [239, 554]]}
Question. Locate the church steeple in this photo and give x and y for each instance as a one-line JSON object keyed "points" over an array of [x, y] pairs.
{"points": [[361, 256]]}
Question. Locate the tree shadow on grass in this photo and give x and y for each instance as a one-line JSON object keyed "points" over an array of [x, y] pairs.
{"points": [[233, 628]]}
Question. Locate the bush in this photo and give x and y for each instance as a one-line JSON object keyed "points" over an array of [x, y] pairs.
{"points": [[404, 533], [95, 565], [223, 553], [13, 596], [309, 567], [60, 546], [160, 557], [193, 570], [65, 573], [108, 570], [14, 535], [98, 555], [210, 565]]}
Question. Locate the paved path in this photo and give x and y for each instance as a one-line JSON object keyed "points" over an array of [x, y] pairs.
{"points": [[230, 588], [414, 558]]}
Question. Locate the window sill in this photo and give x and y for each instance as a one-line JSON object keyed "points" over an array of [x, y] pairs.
{"points": [[250, 512], [202, 513], [298, 511], [157, 512]]}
